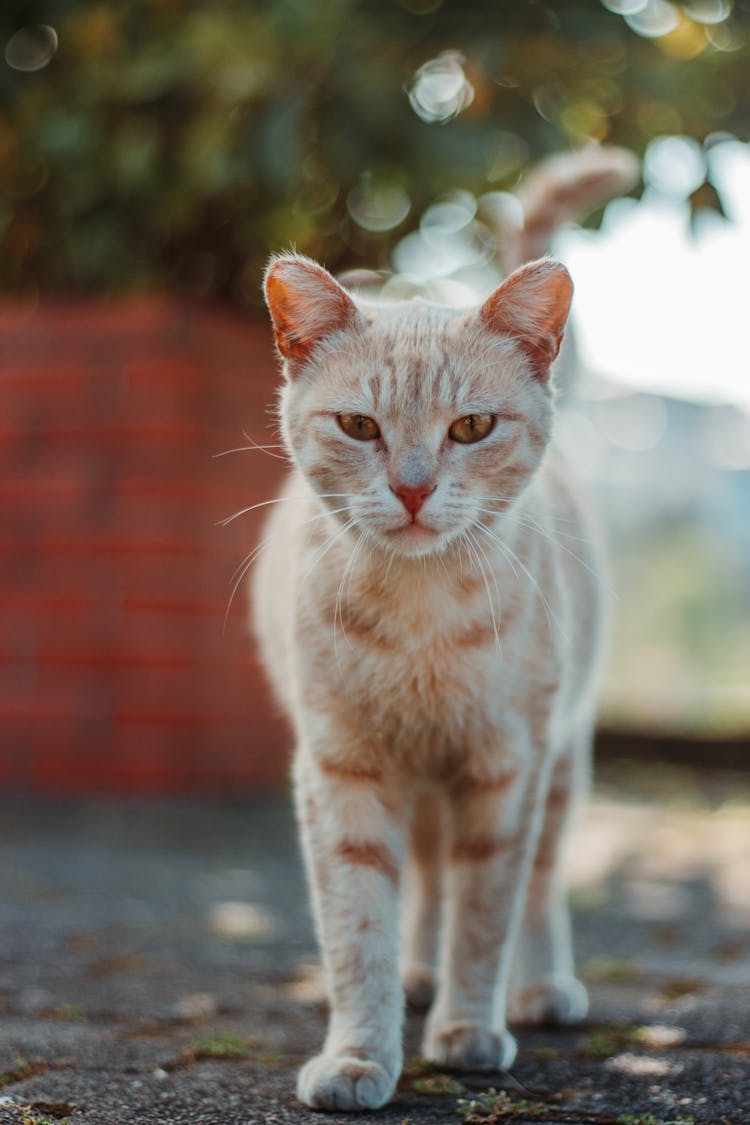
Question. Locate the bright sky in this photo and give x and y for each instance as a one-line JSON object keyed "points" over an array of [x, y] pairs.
{"points": [[658, 307]]}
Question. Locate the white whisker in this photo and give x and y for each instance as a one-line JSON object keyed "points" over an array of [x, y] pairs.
{"points": [[338, 612], [240, 573], [508, 500], [322, 552], [473, 548], [251, 558], [498, 542], [554, 536], [254, 445], [513, 557], [277, 500]]}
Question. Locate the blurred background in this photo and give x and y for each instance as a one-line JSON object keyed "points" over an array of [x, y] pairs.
{"points": [[154, 154]]}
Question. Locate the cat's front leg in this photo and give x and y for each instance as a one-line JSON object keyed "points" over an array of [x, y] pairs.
{"points": [[545, 988], [352, 833], [422, 896], [495, 823]]}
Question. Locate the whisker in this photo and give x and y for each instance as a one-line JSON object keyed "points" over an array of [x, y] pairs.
{"points": [[483, 527], [251, 558], [338, 613], [305, 523], [553, 536], [320, 555], [252, 448], [472, 548], [240, 573], [391, 560], [491, 570], [277, 500], [506, 500], [511, 555], [526, 519], [253, 445]]}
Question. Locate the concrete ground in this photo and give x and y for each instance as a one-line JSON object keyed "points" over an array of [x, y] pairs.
{"points": [[157, 966]]}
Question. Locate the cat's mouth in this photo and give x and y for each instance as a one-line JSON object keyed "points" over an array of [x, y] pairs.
{"points": [[415, 528], [412, 538]]}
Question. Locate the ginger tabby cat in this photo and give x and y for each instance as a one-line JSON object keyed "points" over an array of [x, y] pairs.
{"points": [[428, 608]]}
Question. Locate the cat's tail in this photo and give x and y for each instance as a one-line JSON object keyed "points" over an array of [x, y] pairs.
{"points": [[558, 190]]}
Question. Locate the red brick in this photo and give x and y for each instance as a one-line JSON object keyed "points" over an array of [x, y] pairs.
{"points": [[117, 669]]}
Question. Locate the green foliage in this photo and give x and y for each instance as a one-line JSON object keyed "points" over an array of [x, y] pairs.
{"points": [[652, 1119], [220, 1045], [493, 1106], [20, 1069], [603, 1042], [177, 142], [687, 636], [436, 1085], [612, 970]]}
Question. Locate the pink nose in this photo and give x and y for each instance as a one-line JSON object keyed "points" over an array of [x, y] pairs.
{"points": [[413, 496]]}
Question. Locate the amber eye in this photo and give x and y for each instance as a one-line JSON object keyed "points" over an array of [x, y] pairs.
{"points": [[472, 428], [358, 426]]}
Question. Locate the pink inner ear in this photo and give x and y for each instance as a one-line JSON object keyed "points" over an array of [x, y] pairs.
{"points": [[306, 305], [532, 306]]}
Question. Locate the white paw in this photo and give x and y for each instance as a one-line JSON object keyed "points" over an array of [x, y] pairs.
{"points": [[419, 984], [558, 1000], [343, 1082], [467, 1046]]}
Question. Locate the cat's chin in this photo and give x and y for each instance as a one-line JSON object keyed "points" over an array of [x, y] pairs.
{"points": [[414, 541]]}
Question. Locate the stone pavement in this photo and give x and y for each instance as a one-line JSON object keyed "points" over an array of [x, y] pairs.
{"points": [[157, 966]]}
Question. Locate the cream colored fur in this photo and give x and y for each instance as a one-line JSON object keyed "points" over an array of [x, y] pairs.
{"points": [[438, 666]]}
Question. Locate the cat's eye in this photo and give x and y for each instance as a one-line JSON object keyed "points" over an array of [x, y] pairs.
{"points": [[471, 428], [358, 426]]}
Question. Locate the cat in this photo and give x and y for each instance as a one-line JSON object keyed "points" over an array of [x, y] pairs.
{"points": [[428, 607]]}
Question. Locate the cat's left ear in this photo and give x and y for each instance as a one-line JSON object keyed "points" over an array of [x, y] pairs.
{"points": [[532, 306], [306, 306]]}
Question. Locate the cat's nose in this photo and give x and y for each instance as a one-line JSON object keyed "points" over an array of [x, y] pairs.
{"points": [[413, 496]]}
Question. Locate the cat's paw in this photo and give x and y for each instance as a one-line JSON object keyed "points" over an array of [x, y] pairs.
{"points": [[555, 1001], [419, 985], [345, 1083], [467, 1046]]}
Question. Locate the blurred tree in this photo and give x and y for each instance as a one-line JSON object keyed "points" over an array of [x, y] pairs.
{"points": [[177, 142]]}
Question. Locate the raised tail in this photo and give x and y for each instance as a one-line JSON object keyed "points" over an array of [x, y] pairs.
{"points": [[556, 191]]}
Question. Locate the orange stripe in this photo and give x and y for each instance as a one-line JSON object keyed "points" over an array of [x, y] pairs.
{"points": [[488, 784], [481, 849], [372, 855], [476, 851], [350, 772]]}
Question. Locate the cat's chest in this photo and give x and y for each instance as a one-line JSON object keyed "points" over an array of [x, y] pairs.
{"points": [[427, 628], [427, 665]]}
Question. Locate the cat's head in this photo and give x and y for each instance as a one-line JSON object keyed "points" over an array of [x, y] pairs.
{"points": [[413, 420]]}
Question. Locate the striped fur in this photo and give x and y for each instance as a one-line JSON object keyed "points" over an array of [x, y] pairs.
{"points": [[437, 665]]}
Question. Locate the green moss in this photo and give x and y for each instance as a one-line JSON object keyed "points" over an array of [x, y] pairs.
{"points": [[496, 1105], [21, 1069], [610, 970], [30, 1115], [651, 1119], [436, 1084], [544, 1052], [220, 1045], [603, 1042], [680, 987], [416, 1065], [643, 1119]]}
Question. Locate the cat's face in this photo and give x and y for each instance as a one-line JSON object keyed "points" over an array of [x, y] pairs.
{"points": [[412, 421]]}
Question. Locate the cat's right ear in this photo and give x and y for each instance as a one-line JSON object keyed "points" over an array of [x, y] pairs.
{"points": [[531, 306], [306, 306]]}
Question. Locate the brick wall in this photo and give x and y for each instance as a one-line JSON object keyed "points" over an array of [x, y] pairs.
{"points": [[116, 669]]}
